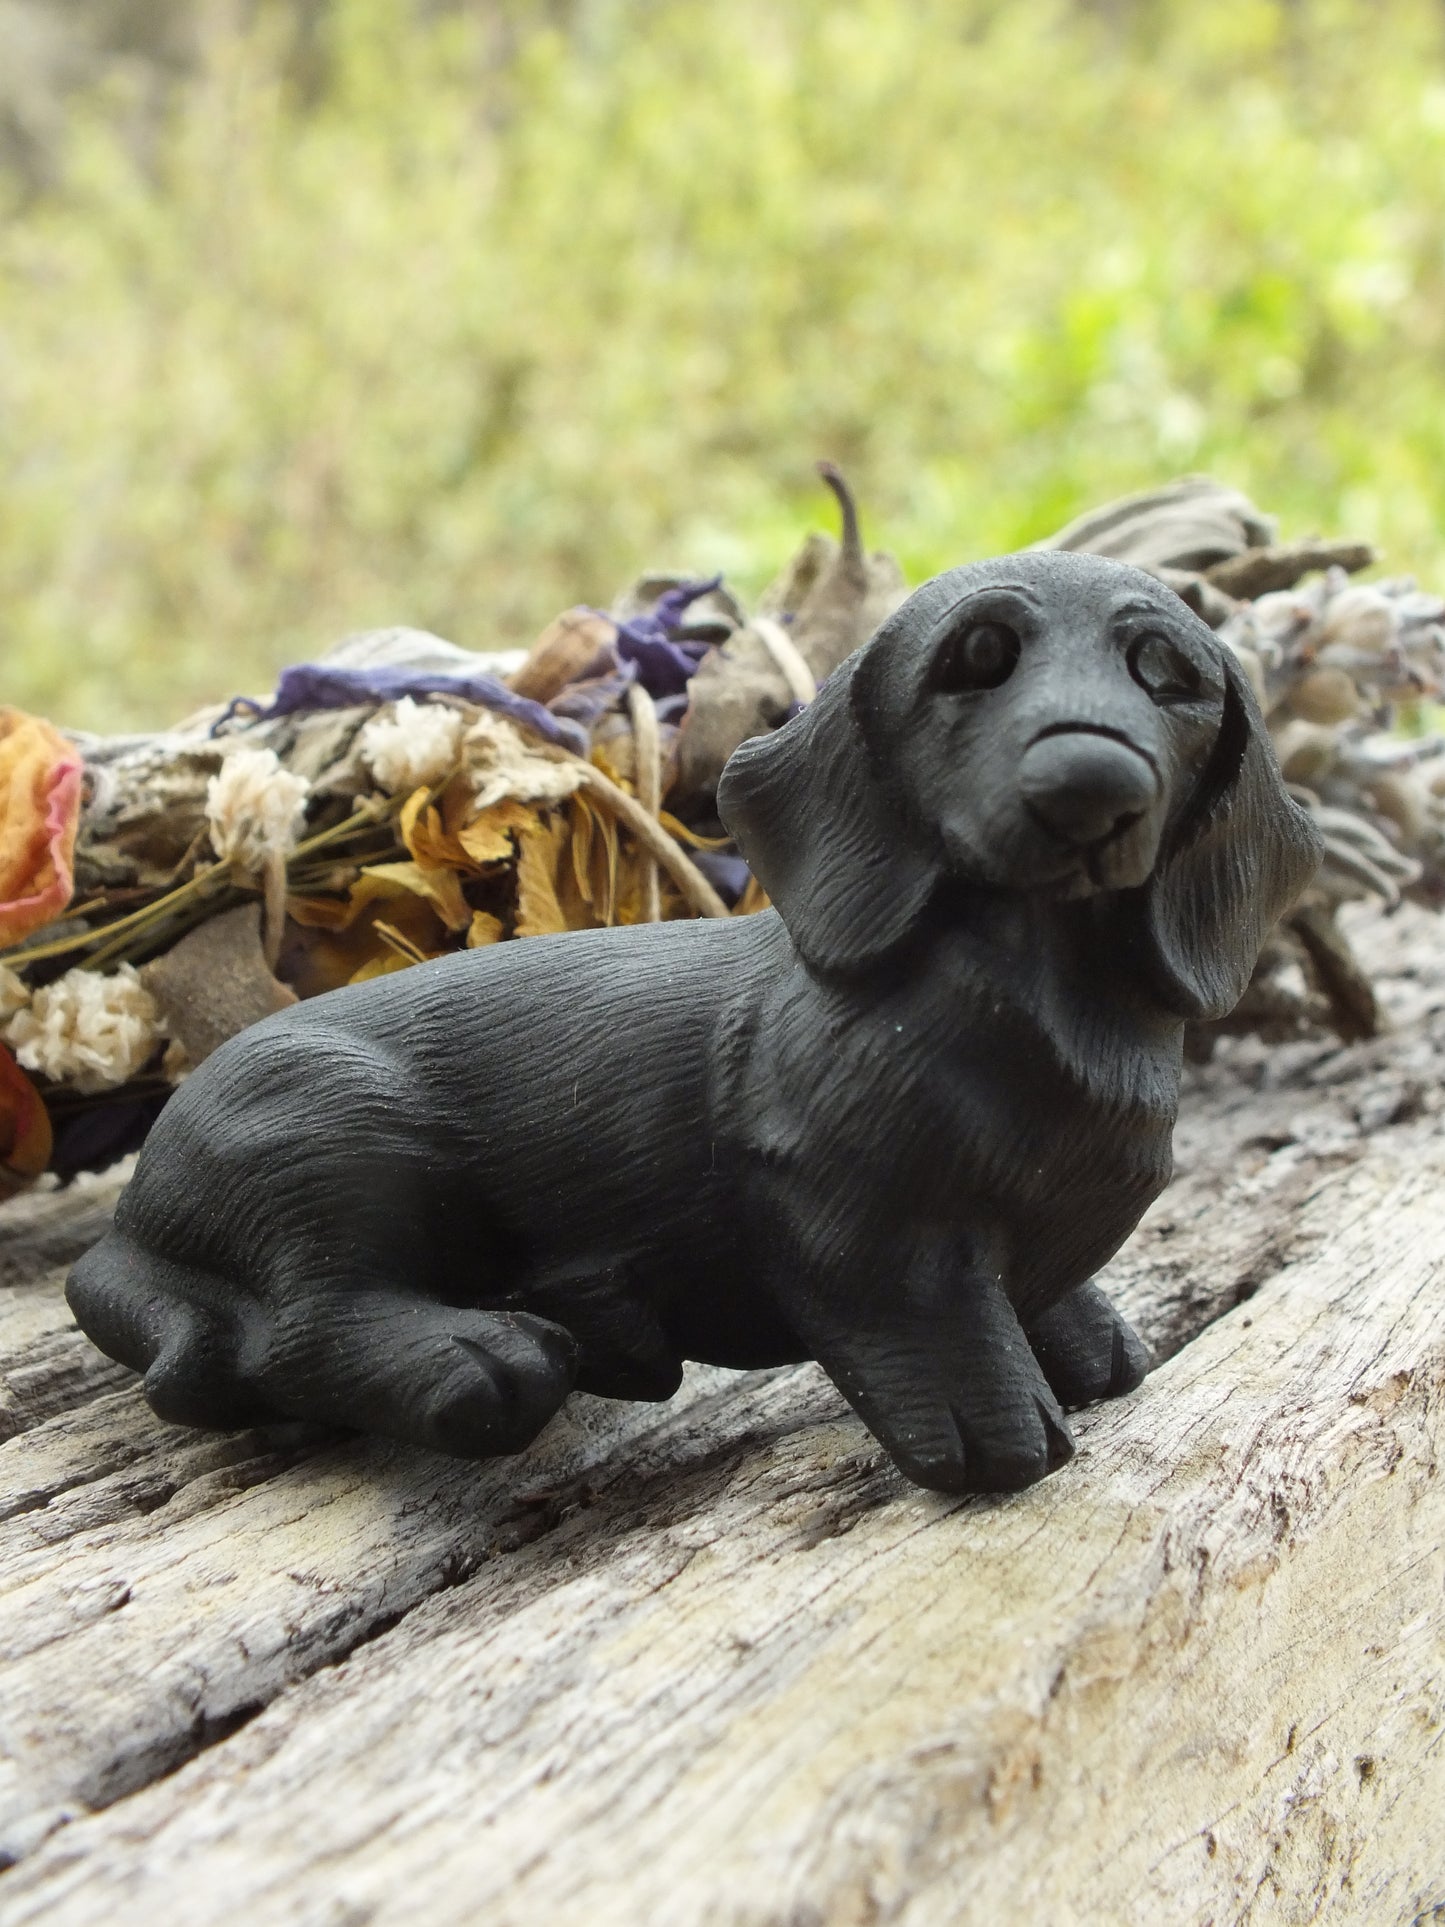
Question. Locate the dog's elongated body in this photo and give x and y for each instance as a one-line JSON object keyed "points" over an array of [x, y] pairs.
{"points": [[894, 1124]]}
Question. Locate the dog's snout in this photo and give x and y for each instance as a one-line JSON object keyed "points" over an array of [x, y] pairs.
{"points": [[1085, 787]]}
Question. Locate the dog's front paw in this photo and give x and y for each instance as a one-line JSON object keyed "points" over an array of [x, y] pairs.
{"points": [[990, 1450], [1087, 1350], [952, 1388]]}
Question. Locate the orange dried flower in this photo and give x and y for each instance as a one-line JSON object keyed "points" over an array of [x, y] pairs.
{"points": [[24, 1128], [40, 779]]}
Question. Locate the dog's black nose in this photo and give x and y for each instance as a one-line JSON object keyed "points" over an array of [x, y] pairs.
{"points": [[1085, 787]]}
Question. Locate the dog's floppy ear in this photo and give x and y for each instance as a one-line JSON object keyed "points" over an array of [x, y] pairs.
{"points": [[809, 811], [1237, 859]]}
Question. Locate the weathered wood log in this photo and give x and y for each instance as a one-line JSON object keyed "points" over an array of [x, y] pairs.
{"points": [[715, 1662]]}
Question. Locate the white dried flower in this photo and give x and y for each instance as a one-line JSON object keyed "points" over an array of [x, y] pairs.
{"points": [[413, 746], [1333, 648], [503, 765], [14, 993], [1362, 618], [88, 1031], [255, 809], [1307, 752]]}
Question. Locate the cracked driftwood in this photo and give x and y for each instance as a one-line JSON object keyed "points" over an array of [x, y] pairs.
{"points": [[714, 1662]]}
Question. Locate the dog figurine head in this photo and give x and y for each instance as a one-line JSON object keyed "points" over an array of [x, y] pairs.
{"points": [[1048, 723]]}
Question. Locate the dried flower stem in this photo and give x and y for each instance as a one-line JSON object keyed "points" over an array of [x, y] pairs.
{"points": [[273, 899], [167, 927], [395, 940], [787, 657], [115, 937], [367, 811], [699, 893], [648, 763], [82, 940]]}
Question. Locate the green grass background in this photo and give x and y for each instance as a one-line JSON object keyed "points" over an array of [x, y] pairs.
{"points": [[468, 316]]}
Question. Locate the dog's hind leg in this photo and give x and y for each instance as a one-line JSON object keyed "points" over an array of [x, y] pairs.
{"points": [[172, 1322], [623, 1351], [1087, 1350], [477, 1384], [375, 1358]]}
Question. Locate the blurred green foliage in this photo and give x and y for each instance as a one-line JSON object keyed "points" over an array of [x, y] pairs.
{"points": [[469, 316]]}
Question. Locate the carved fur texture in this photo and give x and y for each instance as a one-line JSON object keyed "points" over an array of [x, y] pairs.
{"points": [[894, 1124]]}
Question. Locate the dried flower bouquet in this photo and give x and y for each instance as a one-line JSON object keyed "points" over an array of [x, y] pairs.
{"points": [[404, 798]]}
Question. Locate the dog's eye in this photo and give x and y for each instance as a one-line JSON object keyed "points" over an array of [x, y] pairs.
{"points": [[979, 657], [1164, 670]]}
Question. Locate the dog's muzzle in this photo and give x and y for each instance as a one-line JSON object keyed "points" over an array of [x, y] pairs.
{"points": [[1085, 788]]}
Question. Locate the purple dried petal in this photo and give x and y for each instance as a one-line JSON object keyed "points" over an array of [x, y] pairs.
{"points": [[728, 875], [319, 685], [657, 623], [673, 604], [587, 702], [664, 667]]}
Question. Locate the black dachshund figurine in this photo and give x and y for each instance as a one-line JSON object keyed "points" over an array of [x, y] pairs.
{"points": [[894, 1124]]}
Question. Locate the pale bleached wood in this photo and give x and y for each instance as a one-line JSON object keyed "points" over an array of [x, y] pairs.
{"points": [[715, 1662], [174, 1581], [770, 1685]]}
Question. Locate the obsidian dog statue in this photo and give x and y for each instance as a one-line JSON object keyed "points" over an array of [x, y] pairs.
{"points": [[895, 1123]]}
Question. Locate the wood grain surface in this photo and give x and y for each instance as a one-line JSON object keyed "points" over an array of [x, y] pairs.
{"points": [[714, 1662]]}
